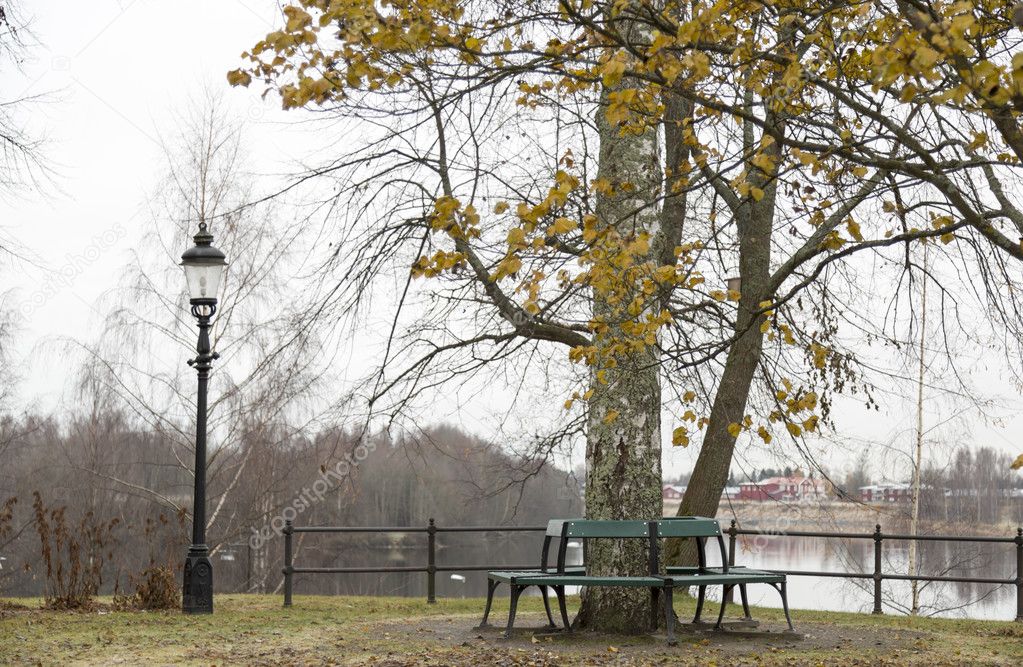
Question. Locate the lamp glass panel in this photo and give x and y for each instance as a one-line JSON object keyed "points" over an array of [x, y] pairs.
{"points": [[203, 280]]}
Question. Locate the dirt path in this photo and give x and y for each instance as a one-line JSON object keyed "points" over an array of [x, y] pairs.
{"points": [[452, 641]]}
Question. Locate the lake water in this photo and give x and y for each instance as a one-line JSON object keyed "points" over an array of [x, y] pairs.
{"points": [[760, 551]]}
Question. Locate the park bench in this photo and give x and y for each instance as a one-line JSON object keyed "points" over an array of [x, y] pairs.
{"points": [[555, 529], [701, 576], [728, 577]]}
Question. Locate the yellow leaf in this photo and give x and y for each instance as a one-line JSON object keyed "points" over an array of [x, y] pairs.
{"points": [[239, 78], [763, 162], [764, 434], [507, 267], [925, 57], [297, 18], [854, 229], [500, 207], [734, 430], [820, 354], [562, 226], [1018, 463], [680, 437], [757, 193], [613, 70], [611, 416]]}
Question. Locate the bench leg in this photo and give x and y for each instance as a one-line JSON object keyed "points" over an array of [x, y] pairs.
{"points": [[745, 602], [491, 587], [701, 596], [724, 603], [785, 604], [563, 607], [669, 616], [516, 591], [547, 608], [653, 607]]}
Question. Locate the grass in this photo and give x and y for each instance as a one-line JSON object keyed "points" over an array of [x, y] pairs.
{"points": [[257, 630]]}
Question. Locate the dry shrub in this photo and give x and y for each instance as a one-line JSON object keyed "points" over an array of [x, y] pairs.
{"points": [[73, 555], [7, 517], [6, 528], [156, 587]]}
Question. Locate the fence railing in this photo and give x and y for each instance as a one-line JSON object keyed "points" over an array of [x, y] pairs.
{"points": [[733, 531]]}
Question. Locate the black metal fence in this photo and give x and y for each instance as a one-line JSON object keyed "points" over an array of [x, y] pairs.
{"points": [[432, 568]]}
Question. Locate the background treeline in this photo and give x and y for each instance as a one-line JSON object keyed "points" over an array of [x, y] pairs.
{"points": [[974, 486], [129, 486]]}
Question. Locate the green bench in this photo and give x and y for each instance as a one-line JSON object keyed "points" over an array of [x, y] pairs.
{"points": [[698, 528], [555, 529]]}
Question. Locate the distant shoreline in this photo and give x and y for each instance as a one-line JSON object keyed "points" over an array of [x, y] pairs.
{"points": [[840, 516]]}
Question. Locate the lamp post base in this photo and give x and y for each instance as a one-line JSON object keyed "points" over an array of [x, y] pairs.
{"points": [[197, 595]]}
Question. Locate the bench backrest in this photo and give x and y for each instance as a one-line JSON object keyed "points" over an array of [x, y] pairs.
{"points": [[698, 527], [614, 529], [600, 529], [688, 526], [555, 528]]}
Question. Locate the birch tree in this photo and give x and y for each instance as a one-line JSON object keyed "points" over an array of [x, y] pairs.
{"points": [[264, 382]]}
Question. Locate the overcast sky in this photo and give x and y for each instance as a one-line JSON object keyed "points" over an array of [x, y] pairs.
{"points": [[116, 72]]}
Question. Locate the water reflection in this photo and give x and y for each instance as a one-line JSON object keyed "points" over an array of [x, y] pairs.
{"points": [[838, 555]]}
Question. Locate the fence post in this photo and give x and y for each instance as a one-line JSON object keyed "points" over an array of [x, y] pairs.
{"points": [[289, 568], [733, 531], [431, 563], [1019, 574], [877, 569]]}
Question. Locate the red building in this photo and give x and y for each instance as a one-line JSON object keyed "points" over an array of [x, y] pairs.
{"points": [[886, 493], [782, 488], [672, 492]]}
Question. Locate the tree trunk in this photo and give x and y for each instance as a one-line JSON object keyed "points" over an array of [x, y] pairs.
{"points": [[623, 481], [623, 454], [914, 524], [754, 222], [703, 493]]}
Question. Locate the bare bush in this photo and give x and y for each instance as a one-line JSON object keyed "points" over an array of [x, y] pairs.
{"points": [[73, 556]]}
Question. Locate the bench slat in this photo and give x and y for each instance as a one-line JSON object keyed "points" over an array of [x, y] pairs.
{"points": [[595, 528], [688, 527], [536, 579]]}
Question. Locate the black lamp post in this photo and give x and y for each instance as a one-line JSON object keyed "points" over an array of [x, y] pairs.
{"points": [[204, 267]]}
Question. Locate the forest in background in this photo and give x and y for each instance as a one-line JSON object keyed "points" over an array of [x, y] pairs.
{"points": [[126, 494]]}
